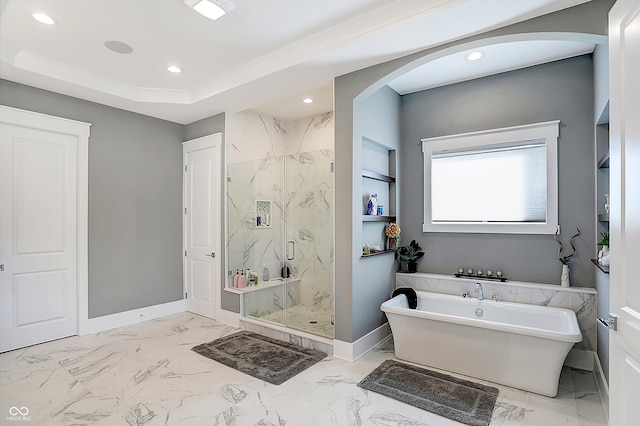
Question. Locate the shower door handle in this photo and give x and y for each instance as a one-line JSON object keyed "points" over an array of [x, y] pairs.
{"points": [[610, 322], [291, 250]]}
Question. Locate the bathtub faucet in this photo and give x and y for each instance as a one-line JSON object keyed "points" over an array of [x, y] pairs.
{"points": [[479, 291]]}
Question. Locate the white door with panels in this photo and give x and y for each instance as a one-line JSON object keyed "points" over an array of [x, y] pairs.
{"points": [[202, 223], [624, 128], [38, 228]]}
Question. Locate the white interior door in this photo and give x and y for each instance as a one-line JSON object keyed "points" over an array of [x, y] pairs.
{"points": [[202, 203], [624, 58], [38, 236]]}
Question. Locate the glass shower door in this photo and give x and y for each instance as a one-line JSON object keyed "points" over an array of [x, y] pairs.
{"points": [[255, 230], [280, 227], [309, 241]]}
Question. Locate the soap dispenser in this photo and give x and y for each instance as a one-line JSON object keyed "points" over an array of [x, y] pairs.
{"points": [[236, 277], [285, 272]]}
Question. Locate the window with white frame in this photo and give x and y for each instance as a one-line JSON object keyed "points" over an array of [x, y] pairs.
{"points": [[493, 181]]}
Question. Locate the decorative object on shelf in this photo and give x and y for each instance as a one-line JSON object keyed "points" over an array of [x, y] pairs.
{"points": [[606, 204], [488, 275], [564, 277], [392, 231], [372, 205], [603, 254], [366, 249], [409, 255]]}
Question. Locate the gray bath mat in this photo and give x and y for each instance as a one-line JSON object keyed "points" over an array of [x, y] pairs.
{"points": [[460, 400], [259, 356]]}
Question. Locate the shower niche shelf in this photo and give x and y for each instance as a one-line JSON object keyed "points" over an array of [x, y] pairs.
{"points": [[263, 214]]}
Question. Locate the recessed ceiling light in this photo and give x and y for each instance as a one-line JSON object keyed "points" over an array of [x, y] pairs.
{"points": [[44, 18], [307, 100], [474, 56], [118, 47], [212, 9], [174, 69]]}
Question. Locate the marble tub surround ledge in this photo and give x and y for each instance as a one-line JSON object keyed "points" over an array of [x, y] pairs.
{"points": [[581, 300]]}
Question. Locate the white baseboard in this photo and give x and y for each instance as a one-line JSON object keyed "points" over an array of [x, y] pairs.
{"points": [[603, 387], [352, 351], [582, 360], [228, 317], [107, 322]]}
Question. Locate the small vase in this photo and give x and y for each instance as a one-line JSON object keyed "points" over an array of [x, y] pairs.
{"points": [[606, 204], [564, 278], [412, 267], [603, 252], [393, 243]]}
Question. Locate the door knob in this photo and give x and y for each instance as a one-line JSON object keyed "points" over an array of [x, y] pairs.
{"points": [[212, 254]]}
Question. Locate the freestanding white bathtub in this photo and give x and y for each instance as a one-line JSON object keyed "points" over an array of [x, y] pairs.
{"points": [[518, 345]]}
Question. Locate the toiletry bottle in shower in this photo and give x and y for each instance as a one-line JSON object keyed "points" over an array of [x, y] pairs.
{"points": [[236, 278], [285, 271], [247, 273], [265, 274], [242, 280]]}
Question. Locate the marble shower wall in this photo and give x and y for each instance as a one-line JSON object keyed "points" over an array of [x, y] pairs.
{"points": [[289, 164], [581, 300]]}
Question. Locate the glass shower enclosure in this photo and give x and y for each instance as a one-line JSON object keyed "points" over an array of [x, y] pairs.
{"points": [[280, 229]]}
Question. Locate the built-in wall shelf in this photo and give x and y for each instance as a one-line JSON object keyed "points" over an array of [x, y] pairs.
{"points": [[603, 268], [378, 252], [377, 218], [378, 170], [603, 163], [604, 217], [377, 176]]}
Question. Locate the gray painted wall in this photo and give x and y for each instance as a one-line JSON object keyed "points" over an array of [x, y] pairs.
{"points": [[561, 90], [378, 119], [204, 127], [601, 82], [585, 20], [135, 200]]}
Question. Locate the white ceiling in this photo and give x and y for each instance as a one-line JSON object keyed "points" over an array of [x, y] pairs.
{"points": [[264, 55], [497, 58]]}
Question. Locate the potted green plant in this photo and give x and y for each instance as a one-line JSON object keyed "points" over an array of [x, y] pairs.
{"points": [[410, 254], [603, 253], [604, 239]]}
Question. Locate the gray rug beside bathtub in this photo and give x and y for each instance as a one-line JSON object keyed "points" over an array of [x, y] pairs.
{"points": [[259, 356], [460, 400]]}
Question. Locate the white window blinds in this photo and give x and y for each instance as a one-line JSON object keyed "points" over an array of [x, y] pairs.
{"points": [[494, 183]]}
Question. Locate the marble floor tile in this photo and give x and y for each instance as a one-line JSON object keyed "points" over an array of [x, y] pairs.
{"points": [[146, 374]]}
